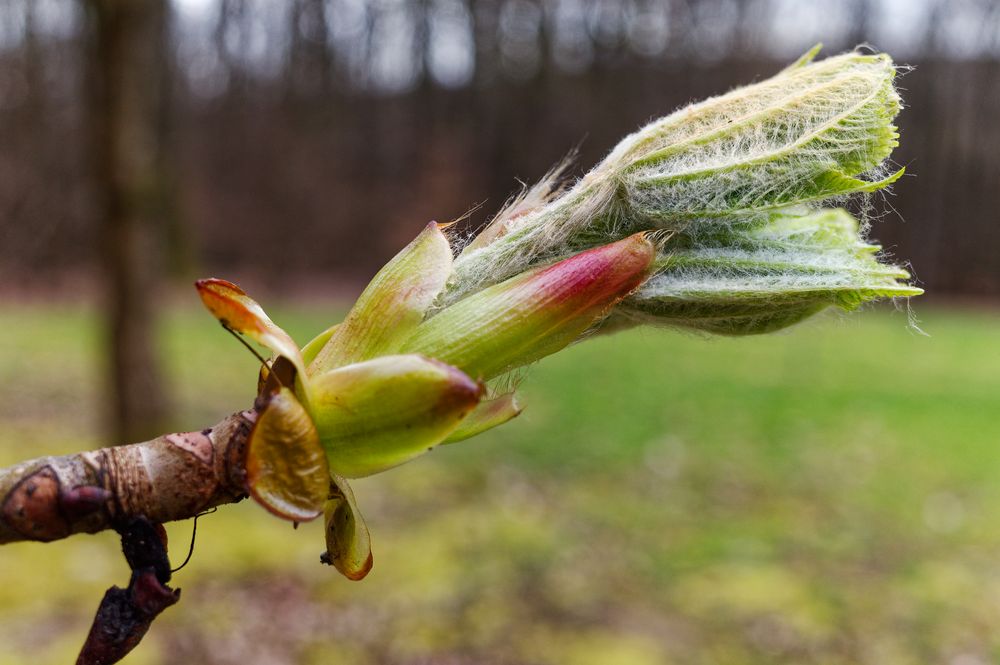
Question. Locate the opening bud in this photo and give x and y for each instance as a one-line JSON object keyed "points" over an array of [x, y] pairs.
{"points": [[535, 314]]}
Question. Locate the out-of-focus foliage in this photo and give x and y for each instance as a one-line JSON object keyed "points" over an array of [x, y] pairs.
{"points": [[824, 495]]}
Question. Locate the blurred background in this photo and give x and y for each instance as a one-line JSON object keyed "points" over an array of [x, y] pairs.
{"points": [[826, 495]]}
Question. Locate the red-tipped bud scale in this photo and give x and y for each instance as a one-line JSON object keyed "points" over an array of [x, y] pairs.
{"points": [[535, 314]]}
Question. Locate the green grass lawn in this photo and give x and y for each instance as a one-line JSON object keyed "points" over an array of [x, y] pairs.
{"points": [[830, 495]]}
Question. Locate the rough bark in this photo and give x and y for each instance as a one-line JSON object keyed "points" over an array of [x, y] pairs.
{"points": [[171, 477], [125, 615]]}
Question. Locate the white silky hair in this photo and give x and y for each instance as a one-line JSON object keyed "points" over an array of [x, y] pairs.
{"points": [[768, 277], [716, 174]]}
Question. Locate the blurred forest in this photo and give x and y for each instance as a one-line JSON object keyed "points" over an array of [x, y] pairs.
{"points": [[307, 139]]}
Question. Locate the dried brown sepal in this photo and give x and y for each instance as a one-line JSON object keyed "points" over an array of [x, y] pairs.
{"points": [[278, 373], [348, 543], [286, 466], [241, 313]]}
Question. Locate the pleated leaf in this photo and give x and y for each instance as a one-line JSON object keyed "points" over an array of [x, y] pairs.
{"points": [[761, 279], [815, 131]]}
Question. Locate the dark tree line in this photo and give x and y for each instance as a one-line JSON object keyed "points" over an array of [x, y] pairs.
{"points": [[283, 140], [125, 97], [317, 133]]}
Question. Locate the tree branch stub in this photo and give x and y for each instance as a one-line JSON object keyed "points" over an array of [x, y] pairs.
{"points": [[171, 477]]}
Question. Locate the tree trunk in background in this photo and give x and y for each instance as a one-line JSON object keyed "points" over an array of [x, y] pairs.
{"points": [[127, 47]]}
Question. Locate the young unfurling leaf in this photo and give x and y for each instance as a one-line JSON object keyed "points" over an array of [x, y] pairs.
{"points": [[710, 218]]}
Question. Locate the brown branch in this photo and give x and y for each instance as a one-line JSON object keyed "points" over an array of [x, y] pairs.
{"points": [[171, 477], [125, 615]]}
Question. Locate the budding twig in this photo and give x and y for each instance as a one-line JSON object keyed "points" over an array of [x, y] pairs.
{"points": [[172, 477], [125, 615]]}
